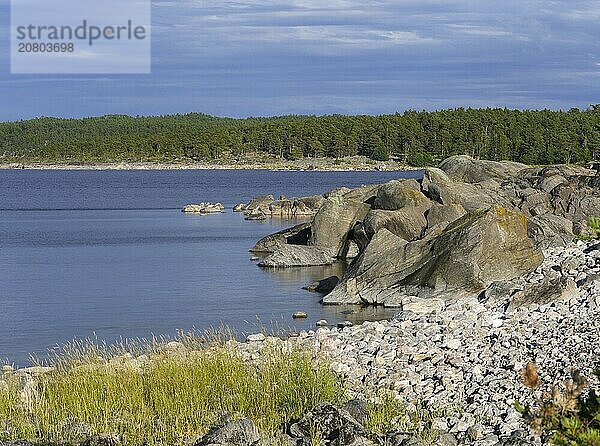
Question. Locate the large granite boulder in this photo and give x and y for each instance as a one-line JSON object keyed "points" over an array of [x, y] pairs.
{"points": [[407, 223], [334, 222], [441, 215], [465, 169], [478, 249], [461, 226], [471, 197], [549, 230], [399, 194], [289, 209]]}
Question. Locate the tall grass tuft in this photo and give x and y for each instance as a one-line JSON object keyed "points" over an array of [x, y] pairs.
{"points": [[165, 396]]}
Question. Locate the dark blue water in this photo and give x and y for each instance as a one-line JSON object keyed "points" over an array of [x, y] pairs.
{"points": [[108, 254]]}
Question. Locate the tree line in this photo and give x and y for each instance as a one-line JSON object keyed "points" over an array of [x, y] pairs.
{"points": [[414, 137]]}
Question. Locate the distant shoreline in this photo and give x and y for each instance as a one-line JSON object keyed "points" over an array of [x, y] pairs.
{"points": [[321, 164]]}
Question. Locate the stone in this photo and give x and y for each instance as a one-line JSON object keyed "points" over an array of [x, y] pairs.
{"points": [[322, 323], [550, 230], [466, 169], [296, 235], [562, 288], [335, 426], [344, 324], [233, 433], [407, 223], [442, 215], [295, 255], [335, 221], [204, 208], [323, 286], [358, 410], [399, 194], [476, 250], [259, 202], [452, 344], [422, 306], [257, 337], [255, 215], [289, 209]]}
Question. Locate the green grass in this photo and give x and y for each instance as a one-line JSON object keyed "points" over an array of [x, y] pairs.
{"points": [[171, 399]]}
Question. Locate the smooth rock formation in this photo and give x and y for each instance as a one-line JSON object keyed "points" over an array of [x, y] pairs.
{"points": [[296, 255], [399, 194], [407, 223], [297, 235], [551, 289], [334, 221], [259, 208], [478, 249], [413, 238], [465, 169]]}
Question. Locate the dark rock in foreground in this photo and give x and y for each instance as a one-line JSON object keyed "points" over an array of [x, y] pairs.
{"points": [[233, 433]]}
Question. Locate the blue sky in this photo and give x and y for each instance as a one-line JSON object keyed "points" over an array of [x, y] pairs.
{"points": [[258, 57]]}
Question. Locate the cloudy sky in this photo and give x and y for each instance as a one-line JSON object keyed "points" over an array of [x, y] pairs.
{"points": [[259, 57]]}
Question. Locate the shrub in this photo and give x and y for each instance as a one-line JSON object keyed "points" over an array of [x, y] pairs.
{"points": [[565, 415]]}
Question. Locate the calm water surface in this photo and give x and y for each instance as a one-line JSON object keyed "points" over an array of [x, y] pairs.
{"points": [[108, 254]]}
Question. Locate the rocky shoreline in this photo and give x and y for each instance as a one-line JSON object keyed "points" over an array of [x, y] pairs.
{"points": [[494, 268], [465, 362], [357, 163], [471, 354]]}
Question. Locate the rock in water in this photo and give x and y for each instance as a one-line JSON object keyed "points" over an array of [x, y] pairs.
{"points": [[334, 221], [259, 202], [295, 255], [297, 235], [476, 250], [204, 208], [324, 286]]}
